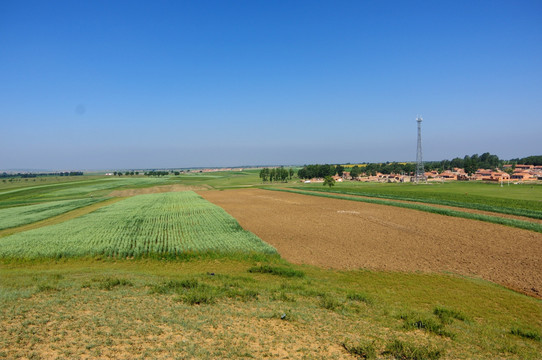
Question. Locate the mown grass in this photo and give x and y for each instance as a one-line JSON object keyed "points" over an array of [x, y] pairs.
{"points": [[223, 310], [526, 225]]}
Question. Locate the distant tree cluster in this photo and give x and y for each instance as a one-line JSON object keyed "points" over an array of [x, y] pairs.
{"points": [[127, 173], [387, 168], [469, 163], [34, 175], [156, 173], [318, 171], [276, 174], [529, 160]]}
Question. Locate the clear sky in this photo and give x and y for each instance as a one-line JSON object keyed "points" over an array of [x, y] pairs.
{"points": [[149, 84]]}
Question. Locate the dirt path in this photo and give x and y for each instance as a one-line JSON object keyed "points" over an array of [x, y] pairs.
{"points": [[345, 234], [59, 218]]}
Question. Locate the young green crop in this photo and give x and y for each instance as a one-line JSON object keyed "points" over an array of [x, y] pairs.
{"points": [[73, 190], [167, 224], [23, 215]]}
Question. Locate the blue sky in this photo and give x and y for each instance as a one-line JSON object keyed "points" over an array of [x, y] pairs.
{"points": [[148, 84]]}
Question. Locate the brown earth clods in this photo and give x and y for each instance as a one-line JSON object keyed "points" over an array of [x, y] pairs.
{"points": [[344, 234]]}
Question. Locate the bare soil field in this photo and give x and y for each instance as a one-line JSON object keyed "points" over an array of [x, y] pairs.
{"points": [[344, 234], [473, 211], [158, 189]]}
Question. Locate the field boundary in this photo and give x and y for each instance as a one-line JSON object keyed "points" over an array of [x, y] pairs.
{"points": [[521, 224], [533, 214]]}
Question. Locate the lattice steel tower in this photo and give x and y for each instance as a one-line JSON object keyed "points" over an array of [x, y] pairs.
{"points": [[420, 172]]}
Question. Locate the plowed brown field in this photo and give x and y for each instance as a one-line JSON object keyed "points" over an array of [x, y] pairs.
{"points": [[344, 234]]}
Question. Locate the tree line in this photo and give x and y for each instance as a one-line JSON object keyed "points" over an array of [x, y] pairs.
{"points": [[276, 174], [529, 160], [470, 163], [156, 173], [34, 175], [319, 171]]}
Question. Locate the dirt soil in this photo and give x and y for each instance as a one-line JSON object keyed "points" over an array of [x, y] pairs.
{"points": [[157, 189], [344, 234]]}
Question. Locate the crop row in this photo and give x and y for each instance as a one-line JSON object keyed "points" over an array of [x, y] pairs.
{"points": [[22, 215], [164, 224], [72, 190]]}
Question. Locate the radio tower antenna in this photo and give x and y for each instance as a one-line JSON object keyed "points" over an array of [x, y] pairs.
{"points": [[420, 172]]}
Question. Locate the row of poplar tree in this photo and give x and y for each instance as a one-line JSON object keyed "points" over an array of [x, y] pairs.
{"points": [[276, 174]]}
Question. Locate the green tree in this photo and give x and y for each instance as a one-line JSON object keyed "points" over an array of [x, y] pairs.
{"points": [[283, 174], [470, 165], [355, 172], [264, 174], [339, 169], [329, 181]]}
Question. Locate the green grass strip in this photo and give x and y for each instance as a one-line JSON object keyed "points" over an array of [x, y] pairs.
{"points": [[22, 215], [534, 214], [526, 225]]}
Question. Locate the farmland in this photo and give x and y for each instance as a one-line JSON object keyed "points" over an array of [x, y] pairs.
{"points": [[155, 271], [520, 199], [345, 234], [167, 224], [21, 215], [95, 187]]}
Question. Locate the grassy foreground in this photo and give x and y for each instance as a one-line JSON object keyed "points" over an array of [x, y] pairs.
{"points": [[227, 307]]}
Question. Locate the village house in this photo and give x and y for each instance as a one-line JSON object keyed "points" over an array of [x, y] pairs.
{"points": [[521, 173], [522, 176], [524, 167], [448, 175]]}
